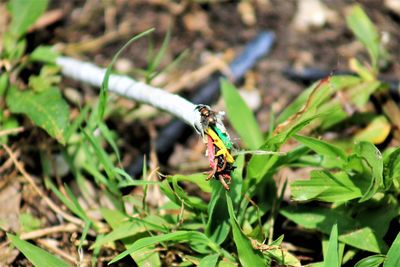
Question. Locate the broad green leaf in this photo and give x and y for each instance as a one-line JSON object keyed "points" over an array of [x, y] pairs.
{"points": [[392, 168], [351, 231], [113, 217], [365, 239], [371, 261], [336, 83], [241, 117], [218, 225], [46, 109], [178, 236], [321, 147], [129, 228], [373, 166], [44, 54], [295, 120], [144, 257], [48, 77], [326, 186], [24, 14], [332, 255], [393, 255], [259, 166], [192, 202], [378, 216], [169, 192], [319, 218], [198, 178], [366, 33], [178, 196], [224, 263], [13, 49], [37, 256], [209, 261], [290, 129], [248, 257]]}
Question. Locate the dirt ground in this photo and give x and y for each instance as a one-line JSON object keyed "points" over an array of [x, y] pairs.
{"points": [[94, 30]]}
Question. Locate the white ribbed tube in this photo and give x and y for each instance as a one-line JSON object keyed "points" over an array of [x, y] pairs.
{"points": [[127, 87]]}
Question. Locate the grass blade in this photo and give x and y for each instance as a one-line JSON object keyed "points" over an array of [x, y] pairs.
{"points": [[321, 147], [371, 261], [241, 116], [366, 33], [248, 257], [393, 255], [24, 14], [104, 87], [178, 236], [37, 256], [332, 254], [209, 261]]}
